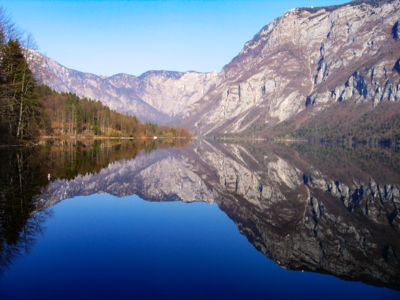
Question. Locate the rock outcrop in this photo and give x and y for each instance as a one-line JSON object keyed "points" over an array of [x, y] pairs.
{"points": [[309, 57], [158, 96]]}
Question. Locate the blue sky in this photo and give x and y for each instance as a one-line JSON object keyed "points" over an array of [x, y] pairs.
{"points": [[110, 37]]}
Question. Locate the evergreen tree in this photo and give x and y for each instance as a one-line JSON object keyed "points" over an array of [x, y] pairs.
{"points": [[19, 108]]}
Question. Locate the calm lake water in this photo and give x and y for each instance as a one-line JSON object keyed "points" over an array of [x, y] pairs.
{"points": [[151, 220]]}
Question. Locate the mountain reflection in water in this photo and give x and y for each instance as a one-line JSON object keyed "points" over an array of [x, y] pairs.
{"points": [[330, 209]]}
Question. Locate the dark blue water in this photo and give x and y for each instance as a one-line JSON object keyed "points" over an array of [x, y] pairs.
{"points": [[104, 247]]}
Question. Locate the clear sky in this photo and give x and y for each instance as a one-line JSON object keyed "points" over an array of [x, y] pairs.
{"points": [[110, 37]]}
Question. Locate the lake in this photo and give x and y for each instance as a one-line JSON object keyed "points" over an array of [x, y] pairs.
{"points": [[176, 219]]}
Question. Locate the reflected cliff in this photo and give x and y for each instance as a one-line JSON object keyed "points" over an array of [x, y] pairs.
{"points": [[331, 209]]}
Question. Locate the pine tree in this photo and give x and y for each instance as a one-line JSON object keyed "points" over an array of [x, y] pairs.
{"points": [[19, 105]]}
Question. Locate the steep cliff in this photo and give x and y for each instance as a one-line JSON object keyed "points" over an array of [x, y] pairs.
{"points": [[307, 59], [158, 96]]}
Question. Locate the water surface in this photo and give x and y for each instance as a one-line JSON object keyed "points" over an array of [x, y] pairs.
{"points": [[124, 220]]}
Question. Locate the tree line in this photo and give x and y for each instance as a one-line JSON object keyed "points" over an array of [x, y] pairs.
{"points": [[67, 114]]}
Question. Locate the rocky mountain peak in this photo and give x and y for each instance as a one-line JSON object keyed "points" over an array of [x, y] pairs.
{"points": [[308, 56]]}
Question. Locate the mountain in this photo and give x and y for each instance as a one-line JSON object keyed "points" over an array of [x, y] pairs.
{"points": [[307, 61], [158, 96], [295, 74]]}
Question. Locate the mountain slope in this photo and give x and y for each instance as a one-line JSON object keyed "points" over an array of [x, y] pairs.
{"points": [[308, 58], [158, 96]]}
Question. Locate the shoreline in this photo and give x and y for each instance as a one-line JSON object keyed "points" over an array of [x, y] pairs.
{"points": [[96, 137], [89, 138]]}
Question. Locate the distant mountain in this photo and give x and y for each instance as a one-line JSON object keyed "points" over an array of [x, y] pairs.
{"points": [[303, 63], [158, 96]]}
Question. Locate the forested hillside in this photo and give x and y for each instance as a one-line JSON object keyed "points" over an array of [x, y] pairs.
{"points": [[67, 114]]}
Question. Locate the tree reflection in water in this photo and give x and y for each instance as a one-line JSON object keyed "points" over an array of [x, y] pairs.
{"points": [[21, 220]]}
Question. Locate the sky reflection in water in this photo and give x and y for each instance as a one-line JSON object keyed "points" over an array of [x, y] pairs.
{"points": [[106, 247]]}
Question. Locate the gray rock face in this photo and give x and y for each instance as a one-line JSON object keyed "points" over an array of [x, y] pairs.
{"points": [[306, 57], [158, 96]]}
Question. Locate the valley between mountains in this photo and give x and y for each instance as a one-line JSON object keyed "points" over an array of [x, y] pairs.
{"points": [[314, 73]]}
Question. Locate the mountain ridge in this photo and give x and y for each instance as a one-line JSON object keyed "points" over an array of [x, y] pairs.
{"points": [[157, 96], [296, 58]]}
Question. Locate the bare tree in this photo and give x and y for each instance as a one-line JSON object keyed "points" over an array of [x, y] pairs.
{"points": [[8, 29]]}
